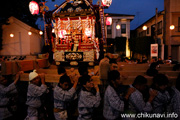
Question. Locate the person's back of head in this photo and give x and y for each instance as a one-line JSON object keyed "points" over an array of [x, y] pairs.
{"points": [[140, 80], [84, 79], [153, 65], [140, 83], [61, 70], [113, 75], [107, 57], [83, 70], [160, 81]]}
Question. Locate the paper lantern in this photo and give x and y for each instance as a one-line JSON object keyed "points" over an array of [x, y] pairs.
{"points": [[108, 21], [62, 33], [106, 2], [88, 32], [34, 8]]}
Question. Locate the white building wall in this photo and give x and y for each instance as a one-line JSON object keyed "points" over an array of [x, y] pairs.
{"points": [[21, 43]]}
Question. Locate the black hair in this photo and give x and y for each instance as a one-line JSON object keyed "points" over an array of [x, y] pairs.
{"points": [[65, 78], [153, 65], [160, 79], [107, 57], [83, 69], [61, 69], [139, 80], [113, 75], [84, 79]]}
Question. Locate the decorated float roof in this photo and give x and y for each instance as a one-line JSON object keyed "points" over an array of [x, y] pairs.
{"points": [[74, 8]]}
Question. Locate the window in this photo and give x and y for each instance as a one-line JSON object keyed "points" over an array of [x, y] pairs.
{"points": [[159, 28], [178, 24], [109, 29], [148, 30], [123, 28]]}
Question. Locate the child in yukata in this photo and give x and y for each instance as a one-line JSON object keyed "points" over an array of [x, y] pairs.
{"points": [[63, 95], [35, 91], [5, 92], [87, 99]]}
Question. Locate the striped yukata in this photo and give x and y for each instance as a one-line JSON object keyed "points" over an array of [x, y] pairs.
{"points": [[4, 100], [137, 103], [160, 102], [87, 102], [33, 100], [113, 104], [174, 105], [61, 99]]}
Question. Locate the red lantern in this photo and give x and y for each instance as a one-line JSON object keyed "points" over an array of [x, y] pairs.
{"points": [[106, 2], [34, 7], [108, 21]]}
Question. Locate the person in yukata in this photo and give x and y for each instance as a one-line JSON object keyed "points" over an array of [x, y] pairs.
{"points": [[114, 103], [63, 95], [34, 93], [5, 92], [88, 99], [161, 101], [174, 104], [136, 99]]}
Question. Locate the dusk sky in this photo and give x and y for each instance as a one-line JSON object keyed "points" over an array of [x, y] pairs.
{"points": [[142, 9]]}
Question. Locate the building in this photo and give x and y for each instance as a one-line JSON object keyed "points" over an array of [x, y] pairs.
{"points": [[172, 37], [148, 29], [20, 39], [168, 39], [120, 27]]}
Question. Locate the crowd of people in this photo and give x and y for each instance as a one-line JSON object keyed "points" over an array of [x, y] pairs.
{"points": [[80, 93]]}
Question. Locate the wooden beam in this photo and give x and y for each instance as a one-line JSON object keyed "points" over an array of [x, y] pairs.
{"points": [[126, 80]]}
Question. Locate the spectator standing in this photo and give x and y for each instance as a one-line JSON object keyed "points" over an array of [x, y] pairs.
{"points": [[104, 68]]}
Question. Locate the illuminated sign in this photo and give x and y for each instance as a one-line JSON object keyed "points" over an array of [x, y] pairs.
{"points": [[34, 7]]}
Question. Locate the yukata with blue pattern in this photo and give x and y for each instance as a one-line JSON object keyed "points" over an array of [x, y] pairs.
{"points": [[33, 100]]}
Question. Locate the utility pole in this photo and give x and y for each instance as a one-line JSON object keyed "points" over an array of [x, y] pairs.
{"points": [[156, 27]]}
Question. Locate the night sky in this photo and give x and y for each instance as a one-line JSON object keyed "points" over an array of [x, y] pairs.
{"points": [[142, 9]]}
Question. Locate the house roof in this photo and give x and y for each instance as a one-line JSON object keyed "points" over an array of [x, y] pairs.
{"points": [[74, 8], [117, 15], [120, 16], [153, 17], [13, 19]]}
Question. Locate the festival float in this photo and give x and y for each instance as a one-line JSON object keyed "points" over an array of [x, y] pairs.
{"points": [[74, 28]]}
